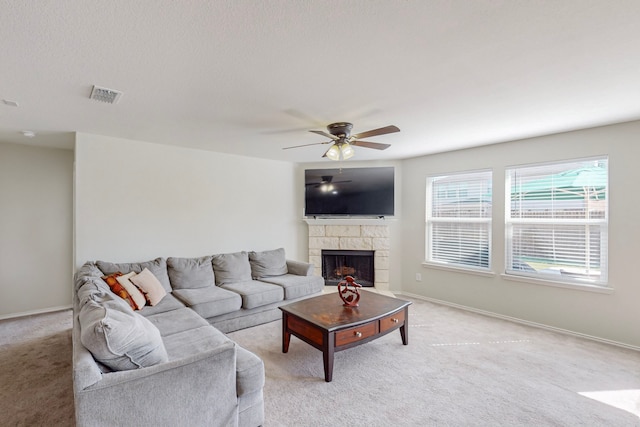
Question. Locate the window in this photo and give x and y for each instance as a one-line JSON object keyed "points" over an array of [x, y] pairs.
{"points": [[557, 221], [459, 220]]}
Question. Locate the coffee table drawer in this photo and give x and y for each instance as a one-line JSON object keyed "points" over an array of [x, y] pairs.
{"points": [[356, 334], [392, 321]]}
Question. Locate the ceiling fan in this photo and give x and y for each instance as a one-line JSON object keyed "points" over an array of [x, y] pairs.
{"points": [[343, 141], [326, 183]]}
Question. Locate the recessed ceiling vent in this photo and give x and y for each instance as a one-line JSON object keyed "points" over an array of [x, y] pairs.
{"points": [[103, 94]]}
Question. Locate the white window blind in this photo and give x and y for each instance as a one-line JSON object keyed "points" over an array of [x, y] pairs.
{"points": [[459, 220], [557, 221]]}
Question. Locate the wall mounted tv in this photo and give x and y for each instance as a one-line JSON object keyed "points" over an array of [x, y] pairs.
{"points": [[349, 192]]}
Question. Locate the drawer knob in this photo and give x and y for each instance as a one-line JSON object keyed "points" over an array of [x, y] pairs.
{"points": [[357, 334], [394, 320]]}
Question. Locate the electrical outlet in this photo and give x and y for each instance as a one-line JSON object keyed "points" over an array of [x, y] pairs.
{"points": [[418, 277]]}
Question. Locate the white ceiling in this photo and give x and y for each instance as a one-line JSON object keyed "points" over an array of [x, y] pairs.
{"points": [[252, 76]]}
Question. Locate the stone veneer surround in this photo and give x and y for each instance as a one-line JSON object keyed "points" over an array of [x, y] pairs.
{"points": [[352, 237]]}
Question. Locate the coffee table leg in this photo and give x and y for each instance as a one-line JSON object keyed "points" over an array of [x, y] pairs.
{"points": [[327, 356], [404, 329], [286, 335]]}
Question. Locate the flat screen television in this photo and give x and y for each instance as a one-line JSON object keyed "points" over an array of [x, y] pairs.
{"points": [[349, 192]]}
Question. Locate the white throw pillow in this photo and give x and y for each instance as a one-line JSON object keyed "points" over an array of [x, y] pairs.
{"points": [[137, 296], [150, 285]]}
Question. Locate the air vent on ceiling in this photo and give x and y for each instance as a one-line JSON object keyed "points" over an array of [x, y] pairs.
{"points": [[103, 94]]}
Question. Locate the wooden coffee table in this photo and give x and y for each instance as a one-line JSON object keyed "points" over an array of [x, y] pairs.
{"points": [[326, 324]]}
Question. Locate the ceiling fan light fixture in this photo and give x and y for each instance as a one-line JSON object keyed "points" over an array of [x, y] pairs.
{"points": [[347, 151], [334, 152]]}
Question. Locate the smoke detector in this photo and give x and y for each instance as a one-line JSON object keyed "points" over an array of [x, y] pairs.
{"points": [[102, 94]]}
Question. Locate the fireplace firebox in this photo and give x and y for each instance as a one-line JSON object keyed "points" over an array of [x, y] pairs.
{"points": [[338, 264]]}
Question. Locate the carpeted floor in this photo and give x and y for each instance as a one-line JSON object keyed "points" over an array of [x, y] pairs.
{"points": [[459, 369], [35, 371]]}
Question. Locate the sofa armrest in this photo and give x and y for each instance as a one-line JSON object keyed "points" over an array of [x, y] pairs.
{"points": [[169, 387], [299, 268]]}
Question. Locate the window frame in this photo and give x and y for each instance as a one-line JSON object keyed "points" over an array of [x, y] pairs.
{"points": [[602, 224], [430, 220]]}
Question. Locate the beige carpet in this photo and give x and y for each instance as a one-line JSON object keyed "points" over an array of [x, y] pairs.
{"points": [[35, 371], [459, 369]]}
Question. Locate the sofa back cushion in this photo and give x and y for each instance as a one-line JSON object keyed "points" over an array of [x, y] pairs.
{"points": [[268, 263], [157, 266], [119, 338], [231, 268], [95, 289], [87, 271], [190, 273]]}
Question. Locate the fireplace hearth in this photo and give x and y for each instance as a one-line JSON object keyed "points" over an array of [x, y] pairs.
{"points": [[338, 264]]}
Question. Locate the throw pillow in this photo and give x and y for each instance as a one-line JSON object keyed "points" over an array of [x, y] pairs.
{"points": [[232, 268], [118, 339], [268, 263], [118, 289], [157, 266], [137, 296], [190, 273], [150, 285]]}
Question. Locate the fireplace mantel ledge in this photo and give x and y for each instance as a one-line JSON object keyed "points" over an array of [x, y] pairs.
{"points": [[348, 221]]}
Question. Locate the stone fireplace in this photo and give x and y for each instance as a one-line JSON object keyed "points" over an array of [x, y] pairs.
{"points": [[373, 239]]}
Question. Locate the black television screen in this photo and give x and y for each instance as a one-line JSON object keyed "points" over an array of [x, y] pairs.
{"points": [[349, 192]]}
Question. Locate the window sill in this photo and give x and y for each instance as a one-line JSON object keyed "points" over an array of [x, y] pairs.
{"points": [[456, 269], [573, 286]]}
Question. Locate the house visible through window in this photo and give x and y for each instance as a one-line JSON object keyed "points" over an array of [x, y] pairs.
{"points": [[459, 220], [557, 221]]}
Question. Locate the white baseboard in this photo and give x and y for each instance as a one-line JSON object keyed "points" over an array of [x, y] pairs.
{"points": [[32, 312], [521, 321]]}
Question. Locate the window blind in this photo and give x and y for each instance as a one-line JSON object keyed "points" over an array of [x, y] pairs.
{"points": [[459, 219], [557, 221]]}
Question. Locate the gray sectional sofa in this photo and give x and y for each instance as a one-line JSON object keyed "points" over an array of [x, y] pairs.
{"points": [[170, 363]]}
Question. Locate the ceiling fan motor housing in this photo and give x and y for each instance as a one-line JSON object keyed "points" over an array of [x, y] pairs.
{"points": [[341, 129]]}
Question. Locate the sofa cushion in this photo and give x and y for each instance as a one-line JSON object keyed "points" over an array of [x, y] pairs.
{"points": [[88, 270], [168, 303], [157, 266], [95, 289], [249, 372], [255, 293], [210, 301], [150, 285], [297, 286], [231, 268], [268, 263], [193, 341], [172, 322], [190, 273], [120, 339]]}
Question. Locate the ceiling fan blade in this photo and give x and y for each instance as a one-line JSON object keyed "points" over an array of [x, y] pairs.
{"points": [[374, 145], [375, 132], [306, 145], [323, 133]]}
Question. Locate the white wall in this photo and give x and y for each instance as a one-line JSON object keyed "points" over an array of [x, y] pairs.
{"points": [[614, 316], [135, 201], [35, 229]]}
